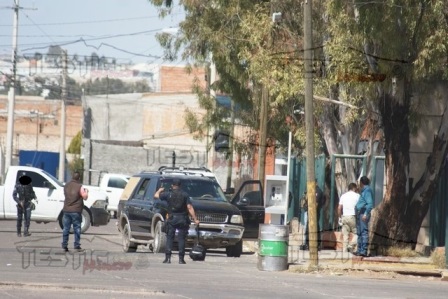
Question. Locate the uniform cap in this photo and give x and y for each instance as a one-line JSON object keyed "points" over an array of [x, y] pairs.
{"points": [[176, 182]]}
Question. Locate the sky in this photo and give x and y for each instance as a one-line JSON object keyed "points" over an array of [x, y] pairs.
{"points": [[120, 29]]}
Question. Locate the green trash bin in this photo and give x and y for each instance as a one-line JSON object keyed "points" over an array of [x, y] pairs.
{"points": [[273, 247]]}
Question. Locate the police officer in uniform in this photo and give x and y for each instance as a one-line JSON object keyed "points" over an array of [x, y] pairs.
{"points": [[23, 194], [179, 206]]}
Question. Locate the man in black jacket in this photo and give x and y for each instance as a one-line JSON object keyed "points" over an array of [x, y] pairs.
{"points": [[179, 206], [320, 201], [23, 194]]}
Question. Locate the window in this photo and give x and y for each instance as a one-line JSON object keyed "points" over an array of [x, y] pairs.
{"points": [[116, 183], [36, 179], [141, 190]]}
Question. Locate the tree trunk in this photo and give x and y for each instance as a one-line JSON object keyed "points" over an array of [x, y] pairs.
{"points": [[398, 218]]}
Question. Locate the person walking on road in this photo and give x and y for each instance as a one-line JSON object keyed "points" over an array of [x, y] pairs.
{"points": [[363, 209], [23, 194], [179, 206], [346, 210], [75, 194]]}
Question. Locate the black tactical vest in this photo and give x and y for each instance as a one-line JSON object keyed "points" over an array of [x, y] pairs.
{"points": [[177, 202]]}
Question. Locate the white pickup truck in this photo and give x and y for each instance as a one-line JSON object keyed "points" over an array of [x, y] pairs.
{"points": [[50, 196], [113, 185]]}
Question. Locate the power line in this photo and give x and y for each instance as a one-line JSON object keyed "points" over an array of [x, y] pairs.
{"points": [[62, 43], [87, 22]]}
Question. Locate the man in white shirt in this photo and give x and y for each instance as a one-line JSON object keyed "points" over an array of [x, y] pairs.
{"points": [[346, 210]]}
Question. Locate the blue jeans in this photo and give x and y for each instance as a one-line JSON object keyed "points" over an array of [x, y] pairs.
{"points": [[68, 220], [362, 228]]}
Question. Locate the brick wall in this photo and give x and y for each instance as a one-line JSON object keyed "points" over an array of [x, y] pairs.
{"points": [[176, 79], [37, 123]]}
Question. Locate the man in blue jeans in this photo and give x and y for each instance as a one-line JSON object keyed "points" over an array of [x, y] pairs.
{"points": [[75, 194], [363, 209]]}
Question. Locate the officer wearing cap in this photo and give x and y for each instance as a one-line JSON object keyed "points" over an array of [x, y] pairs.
{"points": [[179, 206]]}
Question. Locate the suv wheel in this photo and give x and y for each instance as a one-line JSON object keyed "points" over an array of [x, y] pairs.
{"points": [[159, 238], [128, 245], [235, 250]]}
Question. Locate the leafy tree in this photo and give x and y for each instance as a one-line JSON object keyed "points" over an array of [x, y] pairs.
{"points": [[370, 59], [75, 144], [245, 59], [77, 164], [407, 43]]}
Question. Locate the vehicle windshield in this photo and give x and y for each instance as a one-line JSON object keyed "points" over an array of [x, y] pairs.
{"points": [[199, 189], [55, 180]]}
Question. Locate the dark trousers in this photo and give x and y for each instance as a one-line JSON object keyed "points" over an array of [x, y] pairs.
{"points": [[181, 224], [362, 228], [307, 229], [23, 213]]}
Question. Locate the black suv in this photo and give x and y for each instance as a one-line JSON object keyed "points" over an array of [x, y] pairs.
{"points": [[140, 219]]}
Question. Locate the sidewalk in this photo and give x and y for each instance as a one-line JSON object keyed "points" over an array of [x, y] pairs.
{"points": [[299, 261]]}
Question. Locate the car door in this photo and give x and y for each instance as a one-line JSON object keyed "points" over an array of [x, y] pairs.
{"points": [[249, 200], [139, 210], [50, 198]]}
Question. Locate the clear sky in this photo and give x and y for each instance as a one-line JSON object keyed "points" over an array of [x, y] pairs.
{"points": [[126, 28]]}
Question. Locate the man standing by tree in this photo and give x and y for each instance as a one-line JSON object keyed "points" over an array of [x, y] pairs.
{"points": [[363, 209], [346, 210]]}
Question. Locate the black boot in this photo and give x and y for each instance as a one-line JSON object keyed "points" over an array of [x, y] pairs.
{"points": [[19, 233], [181, 260], [167, 259], [26, 233]]}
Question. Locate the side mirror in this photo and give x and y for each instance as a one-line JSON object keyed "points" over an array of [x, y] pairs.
{"points": [[49, 185], [243, 202]]}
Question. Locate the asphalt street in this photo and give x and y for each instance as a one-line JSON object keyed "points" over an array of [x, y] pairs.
{"points": [[36, 267]]}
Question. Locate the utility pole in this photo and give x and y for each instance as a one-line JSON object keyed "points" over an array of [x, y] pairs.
{"points": [[230, 156], [212, 93], [263, 134], [63, 117], [12, 88], [309, 124]]}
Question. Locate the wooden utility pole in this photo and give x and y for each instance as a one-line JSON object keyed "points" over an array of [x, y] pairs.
{"points": [[309, 124], [263, 134], [63, 117], [230, 155], [12, 88]]}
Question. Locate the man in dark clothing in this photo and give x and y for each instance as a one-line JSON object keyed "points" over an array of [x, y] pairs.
{"points": [[179, 206], [75, 194], [320, 201], [363, 210], [23, 194]]}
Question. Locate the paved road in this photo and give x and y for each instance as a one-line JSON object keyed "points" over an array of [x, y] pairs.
{"points": [[36, 267]]}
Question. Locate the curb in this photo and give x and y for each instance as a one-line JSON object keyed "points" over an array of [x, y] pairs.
{"points": [[403, 266]]}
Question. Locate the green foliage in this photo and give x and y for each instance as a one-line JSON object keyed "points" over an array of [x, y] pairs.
{"points": [[77, 164], [248, 51], [75, 144]]}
